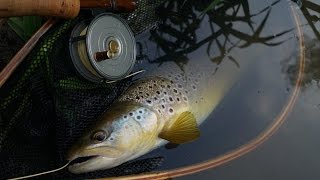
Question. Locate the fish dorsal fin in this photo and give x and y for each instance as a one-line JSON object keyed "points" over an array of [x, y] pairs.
{"points": [[183, 130]]}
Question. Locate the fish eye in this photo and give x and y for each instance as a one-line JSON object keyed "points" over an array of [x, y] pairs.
{"points": [[99, 136]]}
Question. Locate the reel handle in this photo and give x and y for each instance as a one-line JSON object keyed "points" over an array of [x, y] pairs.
{"points": [[58, 8]]}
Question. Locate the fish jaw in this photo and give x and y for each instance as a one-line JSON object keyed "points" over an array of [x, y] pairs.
{"points": [[130, 131], [95, 158], [93, 164]]}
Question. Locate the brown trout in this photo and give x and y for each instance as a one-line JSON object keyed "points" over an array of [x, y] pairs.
{"points": [[167, 105]]}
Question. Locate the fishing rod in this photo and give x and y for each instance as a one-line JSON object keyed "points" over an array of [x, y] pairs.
{"points": [[60, 8]]}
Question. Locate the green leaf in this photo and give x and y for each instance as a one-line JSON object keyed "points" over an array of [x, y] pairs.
{"points": [[25, 26], [211, 6]]}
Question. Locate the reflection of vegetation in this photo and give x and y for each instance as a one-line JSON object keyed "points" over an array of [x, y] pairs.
{"points": [[176, 36], [312, 66], [306, 7], [211, 6]]}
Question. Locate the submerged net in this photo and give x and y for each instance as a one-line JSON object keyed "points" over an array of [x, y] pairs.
{"points": [[45, 105]]}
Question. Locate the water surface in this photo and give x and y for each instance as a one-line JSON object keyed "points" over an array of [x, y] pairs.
{"points": [[292, 153]]}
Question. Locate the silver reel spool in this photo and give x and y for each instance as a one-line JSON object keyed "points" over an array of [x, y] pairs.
{"points": [[104, 49]]}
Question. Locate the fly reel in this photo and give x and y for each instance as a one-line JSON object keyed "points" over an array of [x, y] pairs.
{"points": [[104, 49]]}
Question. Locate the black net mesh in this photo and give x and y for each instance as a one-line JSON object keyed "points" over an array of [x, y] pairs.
{"points": [[45, 105]]}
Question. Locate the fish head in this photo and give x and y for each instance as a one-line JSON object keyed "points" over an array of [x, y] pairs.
{"points": [[124, 132]]}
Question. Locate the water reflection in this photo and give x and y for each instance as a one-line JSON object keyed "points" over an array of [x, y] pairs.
{"points": [[312, 65], [297, 141], [178, 34], [309, 10], [306, 8]]}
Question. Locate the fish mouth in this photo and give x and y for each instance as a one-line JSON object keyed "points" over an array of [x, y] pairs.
{"points": [[81, 160], [86, 164], [82, 164]]}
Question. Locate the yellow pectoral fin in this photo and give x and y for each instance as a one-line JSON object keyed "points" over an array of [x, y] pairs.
{"points": [[184, 129]]}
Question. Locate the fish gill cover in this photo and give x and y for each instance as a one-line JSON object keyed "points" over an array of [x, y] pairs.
{"points": [[45, 106]]}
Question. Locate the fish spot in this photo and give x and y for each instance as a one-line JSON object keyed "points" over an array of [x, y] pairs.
{"points": [[158, 92], [140, 111], [155, 98], [149, 101], [184, 80], [178, 99], [150, 87], [130, 114], [194, 87], [170, 99], [165, 92], [168, 86], [163, 107], [137, 97], [125, 117], [138, 117], [175, 91], [171, 111], [185, 98]]}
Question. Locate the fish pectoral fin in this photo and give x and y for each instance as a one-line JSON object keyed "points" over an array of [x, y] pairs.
{"points": [[185, 129]]}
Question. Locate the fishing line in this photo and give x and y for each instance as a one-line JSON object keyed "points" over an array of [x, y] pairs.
{"points": [[42, 173], [83, 55], [130, 75]]}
